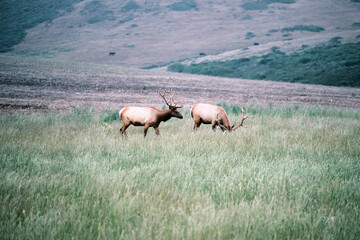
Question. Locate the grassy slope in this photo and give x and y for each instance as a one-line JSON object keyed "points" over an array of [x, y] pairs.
{"points": [[144, 33], [294, 173], [20, 15], [332, 64]]}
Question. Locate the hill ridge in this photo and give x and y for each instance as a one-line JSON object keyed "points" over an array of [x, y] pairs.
{"points": [[141, 36]]}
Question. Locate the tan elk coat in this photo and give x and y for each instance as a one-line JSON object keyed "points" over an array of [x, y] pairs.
{"points": [[149, 116], [214, 115]]}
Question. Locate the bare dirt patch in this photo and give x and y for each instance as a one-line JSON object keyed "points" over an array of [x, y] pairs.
{"points": [[41, 85]]}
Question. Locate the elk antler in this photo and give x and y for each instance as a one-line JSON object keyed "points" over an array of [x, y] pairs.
{"points": [[242, 120], [170, 103]]}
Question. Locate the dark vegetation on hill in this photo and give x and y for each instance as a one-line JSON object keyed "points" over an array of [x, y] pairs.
{"points": [[332, 64], [263, 4], [184, 5], [19, 15], [16, 16]]}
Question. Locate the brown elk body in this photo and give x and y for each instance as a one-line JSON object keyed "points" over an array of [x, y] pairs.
{"points": [[214, 115], [148, 116]]}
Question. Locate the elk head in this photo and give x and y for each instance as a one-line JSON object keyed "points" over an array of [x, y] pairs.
{"points": [[229, 127], [173, 106]]}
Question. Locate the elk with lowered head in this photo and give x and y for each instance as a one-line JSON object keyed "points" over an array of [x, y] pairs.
{"points": [[214, 115], [149, 116]]}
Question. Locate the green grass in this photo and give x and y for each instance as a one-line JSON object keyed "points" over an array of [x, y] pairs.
{"points": [[332, 64], [294, 173], [20, 15]]}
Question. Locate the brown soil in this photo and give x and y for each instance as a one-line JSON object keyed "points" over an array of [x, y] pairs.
{"points": [[38, 85]]}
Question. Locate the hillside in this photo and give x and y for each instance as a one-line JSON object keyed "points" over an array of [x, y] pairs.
{"points": [[143, 33], [330, 64]]}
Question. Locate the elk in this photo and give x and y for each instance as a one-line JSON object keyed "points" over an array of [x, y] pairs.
{"points": [[214, 115], [149, 116]]}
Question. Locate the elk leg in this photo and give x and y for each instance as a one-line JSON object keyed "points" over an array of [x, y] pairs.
{"points": [[213, 125], [146, 127], [123, 128], [197, 125], [157, 130]]}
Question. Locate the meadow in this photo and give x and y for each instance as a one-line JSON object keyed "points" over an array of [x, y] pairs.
{"points": [[293, 173]]}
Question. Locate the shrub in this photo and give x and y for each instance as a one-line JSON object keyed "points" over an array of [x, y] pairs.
{"points": [[254, 6], [273, 30], [102, 16], [92, 7], [276, 49], [249, 35], [281, 1], [246, 17], [126, 19], [130, 6], [310, 28], [176, 67], [335, 40], [184, 5], [305, 60], [263, 4]]}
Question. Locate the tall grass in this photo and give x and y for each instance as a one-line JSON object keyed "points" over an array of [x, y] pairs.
{"points": [[293, 173]]}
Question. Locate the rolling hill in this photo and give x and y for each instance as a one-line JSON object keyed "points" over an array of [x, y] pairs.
{"points": [[142, 33]]}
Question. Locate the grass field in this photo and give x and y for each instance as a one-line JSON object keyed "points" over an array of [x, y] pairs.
{"points": [[293, 173]]}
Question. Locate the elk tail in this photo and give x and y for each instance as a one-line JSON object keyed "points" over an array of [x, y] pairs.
{"points": [[191, 112], [121, 111]]}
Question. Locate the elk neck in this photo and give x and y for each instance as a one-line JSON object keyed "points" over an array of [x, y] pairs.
{"points": [[164, 115], [225, 120]]}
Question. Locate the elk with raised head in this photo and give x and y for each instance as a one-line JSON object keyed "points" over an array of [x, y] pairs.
{"points": [[214, 115], [149, 116]]}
